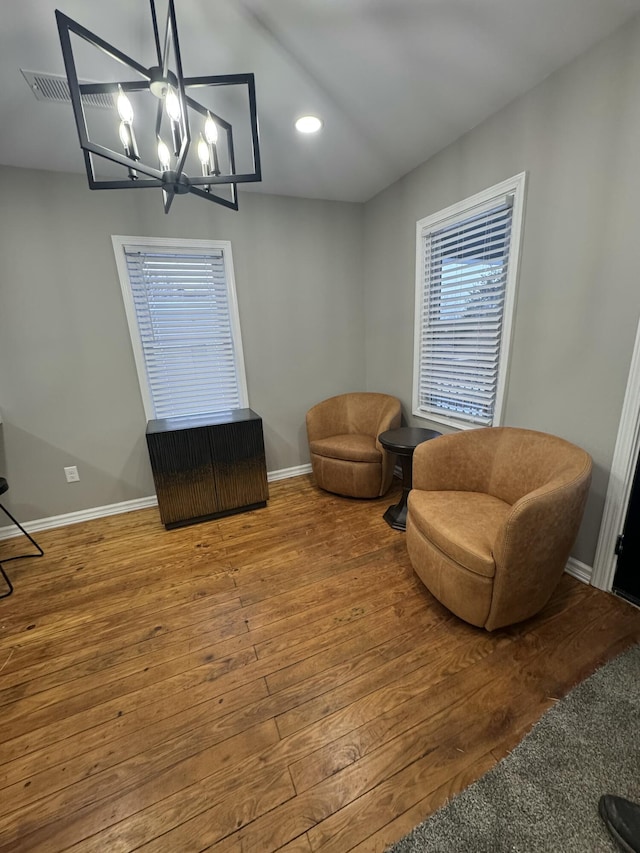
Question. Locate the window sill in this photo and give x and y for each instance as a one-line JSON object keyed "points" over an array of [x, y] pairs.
{"points": [[453, 423]]}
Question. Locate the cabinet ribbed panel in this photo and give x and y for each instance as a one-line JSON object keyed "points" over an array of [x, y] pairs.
{"points": [[205, 470], [183, 474], [238, 462]]}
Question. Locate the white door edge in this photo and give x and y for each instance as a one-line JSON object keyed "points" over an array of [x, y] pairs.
{"points": [[621, 477]]}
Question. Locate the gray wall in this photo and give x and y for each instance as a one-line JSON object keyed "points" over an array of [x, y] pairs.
{"points": [[69, 390], [578, 137]]}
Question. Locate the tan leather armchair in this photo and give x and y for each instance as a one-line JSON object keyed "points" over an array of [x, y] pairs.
{"points": [[492, 518], [346, 456]]}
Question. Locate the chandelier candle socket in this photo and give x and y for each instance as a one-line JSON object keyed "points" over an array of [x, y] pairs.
{"points": [[194, 131]]}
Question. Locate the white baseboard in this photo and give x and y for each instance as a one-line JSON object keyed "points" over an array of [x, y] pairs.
{"points": [[579, 570], [75, 517], [124, 506], [285, 473]]}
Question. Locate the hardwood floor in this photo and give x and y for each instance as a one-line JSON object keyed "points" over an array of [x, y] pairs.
{"points": [[278, 680]]}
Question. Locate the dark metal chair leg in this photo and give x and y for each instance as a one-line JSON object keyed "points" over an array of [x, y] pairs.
{"points": [[22, 530], [19, 556], [8, 582]]}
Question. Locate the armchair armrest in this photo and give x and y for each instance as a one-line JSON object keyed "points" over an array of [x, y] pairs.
{"points": [[389, 419], [532, 548]]}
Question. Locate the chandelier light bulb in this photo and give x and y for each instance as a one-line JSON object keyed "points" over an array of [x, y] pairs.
{"points": [[164, 156], [125, 136], [172, 104], [125, 110], [203, 152], [210, 130]]}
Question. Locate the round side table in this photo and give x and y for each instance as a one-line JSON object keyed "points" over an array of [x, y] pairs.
{"points": [[404, 441]]}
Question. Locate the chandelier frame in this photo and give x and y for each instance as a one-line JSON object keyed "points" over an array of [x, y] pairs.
{"points": [[173, 181]]}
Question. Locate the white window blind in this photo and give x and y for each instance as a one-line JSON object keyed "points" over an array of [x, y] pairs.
{"points": [[463, 273], [188, 335]]}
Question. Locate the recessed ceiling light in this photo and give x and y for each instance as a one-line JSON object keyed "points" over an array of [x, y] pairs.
{"points": [[308, 124]]}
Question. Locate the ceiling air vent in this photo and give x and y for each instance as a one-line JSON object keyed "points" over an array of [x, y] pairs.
{"points": [[54, 87]]}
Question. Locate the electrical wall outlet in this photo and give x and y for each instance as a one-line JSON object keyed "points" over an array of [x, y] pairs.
{"points": [[71, 473]]}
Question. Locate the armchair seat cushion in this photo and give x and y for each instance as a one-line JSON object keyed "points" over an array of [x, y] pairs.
{"points": [[353, 448], [463, 525]]}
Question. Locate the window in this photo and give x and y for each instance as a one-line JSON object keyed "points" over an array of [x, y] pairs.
{"points": [[466, 268], [181, 306]]}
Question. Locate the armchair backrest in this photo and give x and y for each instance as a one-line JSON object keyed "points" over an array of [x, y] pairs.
{"points": [[362, 412], [526, 460], [506, 462]]}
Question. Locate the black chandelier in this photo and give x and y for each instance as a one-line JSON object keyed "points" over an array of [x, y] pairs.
{"points": [[179, 132]]}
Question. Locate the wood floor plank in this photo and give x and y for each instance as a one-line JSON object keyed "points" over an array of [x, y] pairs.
{"points": [[353, 684], [54, 704], [114, 741], [442, 691], [190, 822], [259, 795], [30, 662], [280, 580], [274, 680], [379, 841], [152, 702], [290, 625], [151, 651], [156, 773], [336, 618], [362, 571], [32, 629], [369, 633]]}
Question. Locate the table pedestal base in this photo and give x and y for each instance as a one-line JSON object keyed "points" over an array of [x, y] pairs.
{"points": [[396, 515]]}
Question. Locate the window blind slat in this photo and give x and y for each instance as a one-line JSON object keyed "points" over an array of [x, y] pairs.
{"points": [[182, 307]]}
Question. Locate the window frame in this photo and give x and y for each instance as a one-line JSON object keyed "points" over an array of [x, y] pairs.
{"points": [[120, 244], [514, 187]]}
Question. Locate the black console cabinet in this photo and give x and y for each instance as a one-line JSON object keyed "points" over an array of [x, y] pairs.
{"points": [[207, 466]]}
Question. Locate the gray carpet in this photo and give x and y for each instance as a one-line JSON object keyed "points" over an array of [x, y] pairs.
{"points": [[544, 795]]}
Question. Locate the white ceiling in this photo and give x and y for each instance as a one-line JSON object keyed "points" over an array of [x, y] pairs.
{"points": [[393, 80]]}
